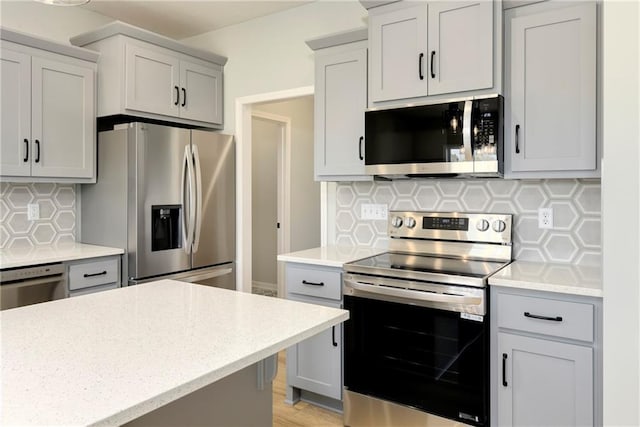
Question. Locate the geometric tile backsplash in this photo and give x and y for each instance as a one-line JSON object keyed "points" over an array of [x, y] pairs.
{"points": [[576, 233], [57, 223]]}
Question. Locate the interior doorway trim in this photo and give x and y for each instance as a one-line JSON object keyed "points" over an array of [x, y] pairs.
{"points": [[283, 188], [243, 112]]}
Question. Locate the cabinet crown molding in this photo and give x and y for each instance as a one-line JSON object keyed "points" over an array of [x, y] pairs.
{"points": [[25, 39]]}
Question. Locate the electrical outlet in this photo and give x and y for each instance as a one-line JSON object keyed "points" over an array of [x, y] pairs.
{"points": [[545, 218], [373, 211], [33, 211]]}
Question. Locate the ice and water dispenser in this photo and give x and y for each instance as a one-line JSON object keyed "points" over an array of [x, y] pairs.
{"points": [[166, 227]]}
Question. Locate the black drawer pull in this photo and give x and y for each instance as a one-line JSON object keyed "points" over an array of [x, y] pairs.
{"points": [[535, 316], [102, 273], [304, 282], [333, 336], [504, 370]]}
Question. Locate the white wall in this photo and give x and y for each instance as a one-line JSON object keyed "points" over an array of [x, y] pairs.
{"points": [[265, 136], [621, 213], [52, 22], [268, 54], [304, 191]]}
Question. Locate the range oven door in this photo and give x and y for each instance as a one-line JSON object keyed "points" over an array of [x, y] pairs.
{"points": [[431, 359]]}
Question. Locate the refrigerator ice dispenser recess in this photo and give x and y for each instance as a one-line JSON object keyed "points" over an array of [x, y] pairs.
{"points": [[165, 227]]}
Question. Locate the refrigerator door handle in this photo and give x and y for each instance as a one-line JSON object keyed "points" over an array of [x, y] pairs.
{"points": [[188, 276], [187, 180], [198, 194]]}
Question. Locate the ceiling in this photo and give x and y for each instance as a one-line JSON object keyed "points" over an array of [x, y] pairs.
{"points": [[182, 19]]}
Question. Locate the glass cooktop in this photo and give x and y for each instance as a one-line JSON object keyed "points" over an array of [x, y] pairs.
{"points": [[424, 267]]}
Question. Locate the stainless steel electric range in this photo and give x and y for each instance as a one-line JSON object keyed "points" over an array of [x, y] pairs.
{"points": [[417, 341]]}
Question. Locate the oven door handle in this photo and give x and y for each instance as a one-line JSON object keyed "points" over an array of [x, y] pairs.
{"points": [[414, 295]]}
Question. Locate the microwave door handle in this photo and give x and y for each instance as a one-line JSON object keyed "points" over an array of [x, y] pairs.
{"points": [[198, 197], [466, 130], [413, 295]]}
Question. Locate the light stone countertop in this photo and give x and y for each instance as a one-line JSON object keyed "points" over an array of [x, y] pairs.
{"points": [[562, 278], [331, 256], [11, 258], [110, 357]]}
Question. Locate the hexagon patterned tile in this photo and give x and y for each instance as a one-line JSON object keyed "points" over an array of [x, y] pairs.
{"points": [[57, 222], [576, 236]]}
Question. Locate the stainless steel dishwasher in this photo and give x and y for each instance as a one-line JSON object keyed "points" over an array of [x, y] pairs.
{"points": [[30, 285]]}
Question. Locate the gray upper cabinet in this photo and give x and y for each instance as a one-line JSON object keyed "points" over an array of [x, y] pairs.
{"points": [[420, 49], [48, 111], [340, 102], [546, 359], [550, 112], [147, 75]]}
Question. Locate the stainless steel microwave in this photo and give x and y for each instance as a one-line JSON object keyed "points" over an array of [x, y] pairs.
{"points": [[456, 138]]}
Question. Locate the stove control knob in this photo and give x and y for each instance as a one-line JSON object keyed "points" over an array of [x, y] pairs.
{"points": [[410, 222], [396, 222], [499, 226], [482, 225]]}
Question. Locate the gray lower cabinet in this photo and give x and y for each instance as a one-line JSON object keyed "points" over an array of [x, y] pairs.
{"points": [[93, 275], [546, 359], [314, 366]]}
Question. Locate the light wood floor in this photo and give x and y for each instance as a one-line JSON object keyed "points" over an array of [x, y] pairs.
{"points": [[302, 414]]}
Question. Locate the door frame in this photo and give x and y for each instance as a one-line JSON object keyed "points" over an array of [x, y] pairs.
{"points": [[283, 192], [243, 111]]}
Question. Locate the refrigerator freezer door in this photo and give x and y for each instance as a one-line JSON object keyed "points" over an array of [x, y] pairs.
{"points": [[215, 240], [220, 276], [157, 164]]}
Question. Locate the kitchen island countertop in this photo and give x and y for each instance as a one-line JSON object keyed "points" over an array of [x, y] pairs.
{"points": [[110, 357]]}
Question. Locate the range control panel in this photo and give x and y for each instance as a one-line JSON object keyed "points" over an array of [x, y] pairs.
{"points": [[456, 226]]}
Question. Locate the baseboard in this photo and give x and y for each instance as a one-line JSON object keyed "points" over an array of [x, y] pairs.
{"points": [[265, 285]]}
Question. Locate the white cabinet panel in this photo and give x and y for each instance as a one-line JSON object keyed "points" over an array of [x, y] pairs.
{"points": [[340, 101], [62, 119], [398, 41], [152, 81], [460, 54], [201, 93], [15, 110], [552, 126]]}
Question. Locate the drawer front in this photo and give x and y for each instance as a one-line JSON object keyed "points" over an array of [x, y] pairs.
{"points": [[95, 273], [313, 281], [564, 319]]}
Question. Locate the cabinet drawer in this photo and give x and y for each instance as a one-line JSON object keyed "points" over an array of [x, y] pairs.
{"points": [[313, 281], [93, 274], [564, 319]]}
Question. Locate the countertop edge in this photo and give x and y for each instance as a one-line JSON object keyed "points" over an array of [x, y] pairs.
{"points": [[171, 395], [311, 261], [546, 287], [64, 255]]}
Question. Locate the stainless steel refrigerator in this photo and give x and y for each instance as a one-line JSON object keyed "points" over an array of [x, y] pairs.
{"points": [[167, 195]]}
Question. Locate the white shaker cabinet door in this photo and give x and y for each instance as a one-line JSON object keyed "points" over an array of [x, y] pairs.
{"points": [[152, 81], [398, 57], [200, 93], [553, 90], [63, 119], [544, 383], [460, 54], [15, 120], [340, 101]]}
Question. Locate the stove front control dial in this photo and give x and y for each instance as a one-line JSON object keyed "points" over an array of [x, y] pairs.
{"points": [[410, 222], [499, 226], [396, 222], [482, 225]]}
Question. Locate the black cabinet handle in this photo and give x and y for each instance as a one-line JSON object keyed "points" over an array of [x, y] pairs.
{"points": [[37, 160], [312, 283], [517, 137], [360, 148], [504, 370], [333, 336], [420, 57], [102, 273], [433, 54], [535, 316], [184, 97], [177, 95], [26, 150]]}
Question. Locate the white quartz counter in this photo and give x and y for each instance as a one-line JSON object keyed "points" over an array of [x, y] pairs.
{"points": [[11, 258], [110, 357], [331, 256], [562, 278]]}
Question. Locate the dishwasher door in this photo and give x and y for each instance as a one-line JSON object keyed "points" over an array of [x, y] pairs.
{"points": [[31, 285]]}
